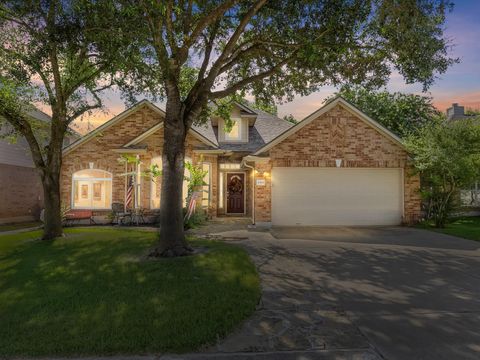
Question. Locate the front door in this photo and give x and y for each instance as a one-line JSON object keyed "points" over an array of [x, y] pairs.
{"points": [[235, 193]]}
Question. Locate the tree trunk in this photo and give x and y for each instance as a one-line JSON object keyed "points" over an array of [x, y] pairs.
{"points": [[51, 180], [172, 237], [52, 216]]}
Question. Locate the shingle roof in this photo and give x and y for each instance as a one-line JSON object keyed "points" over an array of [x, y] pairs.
{"points": [[206, 130], [266, 128]]}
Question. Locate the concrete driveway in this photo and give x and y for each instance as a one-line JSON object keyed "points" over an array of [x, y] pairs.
{"points": [[366, 293]]}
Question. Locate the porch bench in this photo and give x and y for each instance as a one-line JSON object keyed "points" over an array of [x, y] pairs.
{"points": [[77, 215]]}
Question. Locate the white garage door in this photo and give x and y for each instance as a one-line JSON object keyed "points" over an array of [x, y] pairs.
{"points": [[336, 196]]}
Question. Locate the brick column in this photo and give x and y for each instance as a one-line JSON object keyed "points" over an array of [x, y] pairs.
{"points": [[263, 193]]}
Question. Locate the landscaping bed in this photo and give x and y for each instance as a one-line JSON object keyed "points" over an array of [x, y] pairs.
{"points": [[93, 293]]}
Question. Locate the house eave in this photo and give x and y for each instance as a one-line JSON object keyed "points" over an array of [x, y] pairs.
{"points": [[130, 151], [212, 151]]}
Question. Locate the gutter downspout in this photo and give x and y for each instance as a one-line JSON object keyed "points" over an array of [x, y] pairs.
{"points": [[253, 186]]}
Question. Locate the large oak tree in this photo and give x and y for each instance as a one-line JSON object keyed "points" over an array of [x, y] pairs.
{"points": [[195, 52], [61, 55]]}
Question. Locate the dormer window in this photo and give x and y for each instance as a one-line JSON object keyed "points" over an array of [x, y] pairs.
{"points": [[238, 132], [235, 133]]}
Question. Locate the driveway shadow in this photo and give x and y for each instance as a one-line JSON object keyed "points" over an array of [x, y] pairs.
{"points": [[408, 295], [403, 236]]}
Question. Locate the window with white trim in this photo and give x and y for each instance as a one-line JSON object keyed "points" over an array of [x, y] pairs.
{"points": [[186, 174], [92, 189], [156, 185], [235, 133], [206, 188]]}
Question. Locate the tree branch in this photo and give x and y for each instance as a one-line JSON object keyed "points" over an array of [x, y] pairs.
{"points": [[22, 125], [169, 27], [233, 40], [208, 51], [156, 31], [240, 84], [206, 20]]}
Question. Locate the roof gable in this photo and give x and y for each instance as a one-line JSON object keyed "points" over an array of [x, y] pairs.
{"points": [[159, 126], [123, 115], [323, 110]]}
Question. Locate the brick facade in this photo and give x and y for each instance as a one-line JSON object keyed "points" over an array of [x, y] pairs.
{"points": [[99, 152], [338, 134], [21, 193]]}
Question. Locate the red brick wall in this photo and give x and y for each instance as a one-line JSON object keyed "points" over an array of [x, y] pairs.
{"points": [[99, 152], [339, 134], [21, 193], [263, 193]]}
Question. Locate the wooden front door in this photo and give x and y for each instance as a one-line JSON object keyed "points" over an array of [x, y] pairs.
{"points": [[235, 193]]}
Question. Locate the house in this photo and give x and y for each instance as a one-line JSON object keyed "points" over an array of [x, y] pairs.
{"points": [[336, 167], [20, 185]]}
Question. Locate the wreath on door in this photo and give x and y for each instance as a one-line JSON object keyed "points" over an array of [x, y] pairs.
{"points": [[235, 185]]}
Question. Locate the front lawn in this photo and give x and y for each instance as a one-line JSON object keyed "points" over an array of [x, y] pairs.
{"points": [[465, 227], [93, 293]]}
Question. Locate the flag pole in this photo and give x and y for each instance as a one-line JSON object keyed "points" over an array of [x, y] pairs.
{"points": [[125, 192], [137, 174]]}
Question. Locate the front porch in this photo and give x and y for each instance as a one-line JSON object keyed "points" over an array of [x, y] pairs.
{"points": [[227, 193]]}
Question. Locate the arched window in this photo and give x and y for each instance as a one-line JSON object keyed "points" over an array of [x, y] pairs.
{"points": [[92, 189]]}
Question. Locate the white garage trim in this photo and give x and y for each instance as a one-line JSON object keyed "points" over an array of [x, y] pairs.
{"points": [[328, 196]]}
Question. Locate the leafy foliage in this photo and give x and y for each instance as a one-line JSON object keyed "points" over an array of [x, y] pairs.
{"points": [[152, 172], [447, 156], [196, 177], [472, 112], [401, 113], [290, 118], [207, 50], [53, 54]]}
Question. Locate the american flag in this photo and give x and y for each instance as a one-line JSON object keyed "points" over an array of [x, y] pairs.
{"points": [[129, 196]]}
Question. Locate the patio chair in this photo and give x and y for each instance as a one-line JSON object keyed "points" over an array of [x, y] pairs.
{"points": [[138, 216], [119, 215]]}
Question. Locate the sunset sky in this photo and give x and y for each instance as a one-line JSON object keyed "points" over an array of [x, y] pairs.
{"points": [[461, 84]]}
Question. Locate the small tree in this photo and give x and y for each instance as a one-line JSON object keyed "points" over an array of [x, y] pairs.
{"points": [[196, 178], [447, 156], [53, 53], [401, 113]]}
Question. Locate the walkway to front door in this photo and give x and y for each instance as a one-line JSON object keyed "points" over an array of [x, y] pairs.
{"points": [[235, 193]]}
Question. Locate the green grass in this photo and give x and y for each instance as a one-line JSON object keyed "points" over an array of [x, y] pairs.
{"points": [[465, 227], [17, 226], [90, 293]]}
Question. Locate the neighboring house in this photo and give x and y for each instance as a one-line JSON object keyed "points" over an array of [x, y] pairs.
{"points": [[336, 167], [457, 112], [468, 197], [21, 190]]}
